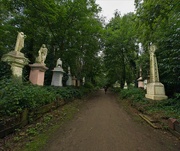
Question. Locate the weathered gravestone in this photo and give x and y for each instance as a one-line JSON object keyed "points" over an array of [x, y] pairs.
{"points": [[69, 81], [140, 80], [155, 89]]}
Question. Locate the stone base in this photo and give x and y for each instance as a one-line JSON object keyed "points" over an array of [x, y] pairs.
{"points": [[37, 73], [17, 61], [69, 81], [155, 91], [141, 84], [57, 76]]}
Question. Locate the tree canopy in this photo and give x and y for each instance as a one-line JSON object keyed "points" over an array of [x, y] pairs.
{"points": [[74, 32]]}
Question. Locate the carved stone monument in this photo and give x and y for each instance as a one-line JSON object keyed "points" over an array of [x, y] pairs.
{"points": [[140, 80], [15, 58], [57, 74], [155, 89], [69, 81], [39, 67]]}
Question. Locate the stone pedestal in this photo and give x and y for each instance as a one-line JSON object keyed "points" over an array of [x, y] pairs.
{"points": [[17, 61], [37, 73], [140, 83], [69, 81], [155, 91], [57, 76], [74, 81]]}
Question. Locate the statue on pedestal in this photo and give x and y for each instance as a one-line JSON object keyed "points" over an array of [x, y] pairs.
{"points": [[42, 54]]}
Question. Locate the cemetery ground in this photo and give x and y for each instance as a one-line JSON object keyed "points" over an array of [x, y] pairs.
{"points": [[94, 124]]}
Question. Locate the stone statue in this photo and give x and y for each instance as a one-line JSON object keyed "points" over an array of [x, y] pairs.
{"points": [[42, 54], [59, 63], [20, 41]]}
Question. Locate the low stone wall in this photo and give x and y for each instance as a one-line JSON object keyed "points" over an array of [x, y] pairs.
{"points": [[9, 125]]}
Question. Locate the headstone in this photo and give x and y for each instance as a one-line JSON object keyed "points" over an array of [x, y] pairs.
{"points": [[16, 59], [57, 74], [78, 83], [74, 81], [39, 67], [69, 81], [155, 89], [172, 122], [125, 85], [140, 80], [83, 80]]}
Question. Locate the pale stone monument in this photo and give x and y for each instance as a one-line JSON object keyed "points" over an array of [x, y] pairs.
{"points": [[69, 81], [39, 67], [74, 81], [16, 59], [125, 85], [83, 80], [155, 89], [57, 74], [140, 80]]}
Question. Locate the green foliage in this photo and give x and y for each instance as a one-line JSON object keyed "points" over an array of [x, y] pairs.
{"points": [[166, 108], [68, 28], [15, 96], [158, 22], [169, 107], [134, 94], [120, 49]]}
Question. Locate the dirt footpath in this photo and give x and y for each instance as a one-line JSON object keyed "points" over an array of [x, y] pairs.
{"points": [[103, 125]]}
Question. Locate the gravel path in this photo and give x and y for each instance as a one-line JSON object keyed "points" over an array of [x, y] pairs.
{"points": [[103, 125]]}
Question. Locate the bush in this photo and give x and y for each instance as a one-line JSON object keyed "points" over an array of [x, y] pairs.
{"points": [[167, 108], [134, 94], [15, 96]]}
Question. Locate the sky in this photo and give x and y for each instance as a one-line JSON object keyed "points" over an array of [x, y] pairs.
{"points": [[109, 7]]}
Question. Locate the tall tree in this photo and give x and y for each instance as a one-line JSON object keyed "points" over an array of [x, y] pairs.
{"points": [[120, 49]]}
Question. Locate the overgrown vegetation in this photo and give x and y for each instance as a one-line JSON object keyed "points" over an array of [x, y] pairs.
{"points": [[35, 136], [15, 96], [164, 109]]}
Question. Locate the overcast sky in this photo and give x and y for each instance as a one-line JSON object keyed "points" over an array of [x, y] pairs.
{"points": [[109, 7]]}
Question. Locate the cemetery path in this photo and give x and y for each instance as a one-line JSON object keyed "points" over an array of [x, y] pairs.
{"points": [[103, 125]]}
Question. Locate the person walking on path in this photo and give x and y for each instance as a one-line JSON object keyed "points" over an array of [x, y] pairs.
{"points": [[105, 89]]}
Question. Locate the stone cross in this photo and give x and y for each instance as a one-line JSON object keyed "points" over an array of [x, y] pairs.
{"points": [[154, 74]]}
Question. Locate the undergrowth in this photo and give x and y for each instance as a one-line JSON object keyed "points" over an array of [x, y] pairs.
{"points": [[165, 108]]}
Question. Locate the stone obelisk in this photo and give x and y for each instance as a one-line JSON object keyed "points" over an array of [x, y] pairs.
{"points": [[155, 89]]}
